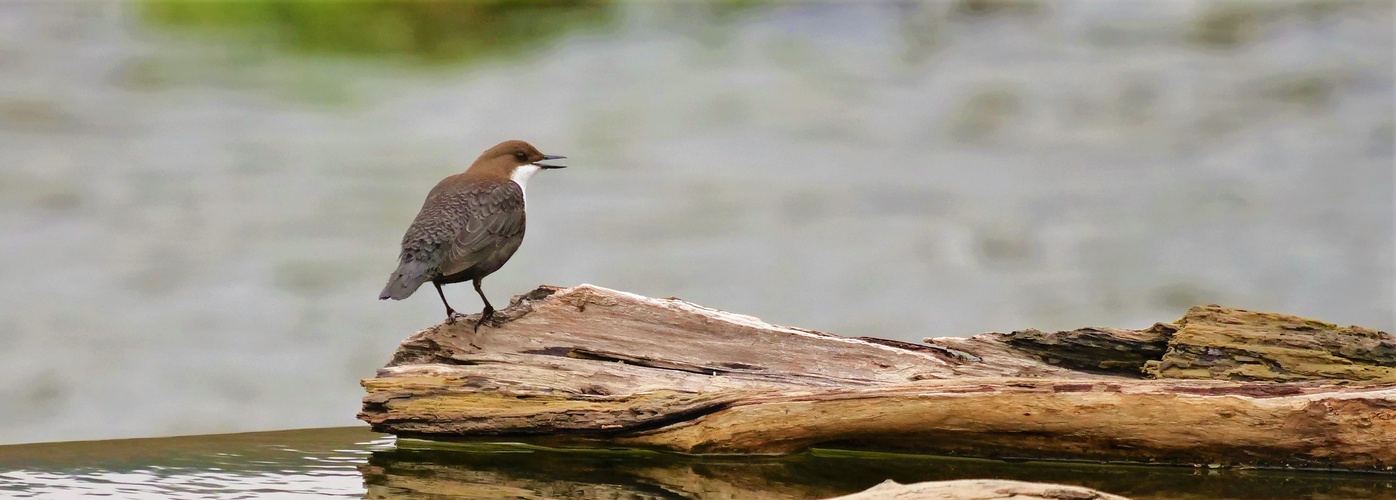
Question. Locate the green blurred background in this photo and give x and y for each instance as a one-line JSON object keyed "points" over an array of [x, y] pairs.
{"points": [[199, 201]]}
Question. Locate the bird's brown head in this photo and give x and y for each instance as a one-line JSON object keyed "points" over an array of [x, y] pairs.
{"points": [[517, 160]]}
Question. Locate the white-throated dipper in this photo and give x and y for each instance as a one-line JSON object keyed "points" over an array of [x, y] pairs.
{"points": [[470, 225]]}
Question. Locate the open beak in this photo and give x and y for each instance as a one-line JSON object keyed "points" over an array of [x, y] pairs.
{"points": [[550, 157]]}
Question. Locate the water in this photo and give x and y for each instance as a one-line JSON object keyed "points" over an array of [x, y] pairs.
{"points": [[352, 462], [199, 201], [287, 464]]}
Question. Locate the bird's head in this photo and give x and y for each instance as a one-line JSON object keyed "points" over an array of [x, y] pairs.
{"points": [[517, 160]]}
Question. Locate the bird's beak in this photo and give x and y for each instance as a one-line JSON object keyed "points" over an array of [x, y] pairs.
{"points": [[550, 157]]}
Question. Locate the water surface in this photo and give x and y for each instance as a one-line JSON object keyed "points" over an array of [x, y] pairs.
{"points": [[352, 462]]}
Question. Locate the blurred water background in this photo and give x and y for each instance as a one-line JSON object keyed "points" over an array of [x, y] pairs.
{"points": [[199, 201]]}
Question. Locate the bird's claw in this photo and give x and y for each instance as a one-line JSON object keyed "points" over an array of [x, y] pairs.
{"points": [[451, 317], [486, 315], [483, 318]]}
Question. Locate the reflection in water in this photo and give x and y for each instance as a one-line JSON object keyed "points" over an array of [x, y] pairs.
{"points": [[516, 471], [352, 462]]}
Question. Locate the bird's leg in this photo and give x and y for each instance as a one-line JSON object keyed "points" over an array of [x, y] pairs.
{"points": [[450, 313], [489, 309]]}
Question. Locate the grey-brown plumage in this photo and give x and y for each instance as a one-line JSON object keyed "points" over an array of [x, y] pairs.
{"points": [[469, 226]]}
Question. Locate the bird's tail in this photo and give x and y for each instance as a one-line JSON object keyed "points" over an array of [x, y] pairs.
{"points": [[405, 280]]}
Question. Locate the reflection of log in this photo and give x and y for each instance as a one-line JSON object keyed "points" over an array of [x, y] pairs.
{"points": [[590, 365], [408, 482], [428, 470], [542, 474]]}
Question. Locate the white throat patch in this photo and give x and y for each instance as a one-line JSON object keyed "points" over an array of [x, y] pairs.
{"points": [[521, 176]]}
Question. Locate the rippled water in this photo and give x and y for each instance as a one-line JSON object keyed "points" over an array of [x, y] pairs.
{"points": [[356, 463], [275, 465]]}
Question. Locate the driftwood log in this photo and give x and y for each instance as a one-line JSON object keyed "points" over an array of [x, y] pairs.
{"points": [[587, 365]]}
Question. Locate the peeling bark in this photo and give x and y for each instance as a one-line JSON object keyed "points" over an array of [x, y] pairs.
{"points": [[587, 365], [1216, 342]]}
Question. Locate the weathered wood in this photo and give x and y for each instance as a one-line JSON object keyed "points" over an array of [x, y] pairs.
{"points": [[978, 489], [597, 366], [1216, 342]]}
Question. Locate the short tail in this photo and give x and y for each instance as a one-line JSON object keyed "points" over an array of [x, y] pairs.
{"points": [[406, 279]]}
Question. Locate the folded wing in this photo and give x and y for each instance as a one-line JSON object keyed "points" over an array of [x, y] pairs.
{"points": [[495, 221], [460, 225]]}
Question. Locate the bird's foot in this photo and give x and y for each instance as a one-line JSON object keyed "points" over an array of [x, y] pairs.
{"points": [[452, 316], [486, 315]]}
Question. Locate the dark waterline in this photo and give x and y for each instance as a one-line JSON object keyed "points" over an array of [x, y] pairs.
{"points": [[352, 462]]}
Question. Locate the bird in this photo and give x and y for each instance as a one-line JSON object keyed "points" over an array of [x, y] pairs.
{"points": [[470, 225]]}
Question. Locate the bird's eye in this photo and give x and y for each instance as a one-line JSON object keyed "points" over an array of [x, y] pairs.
{"points": [[520, 156]]}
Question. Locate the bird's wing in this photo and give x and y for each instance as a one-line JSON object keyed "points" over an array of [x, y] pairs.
{"points": [[494, 215]]}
